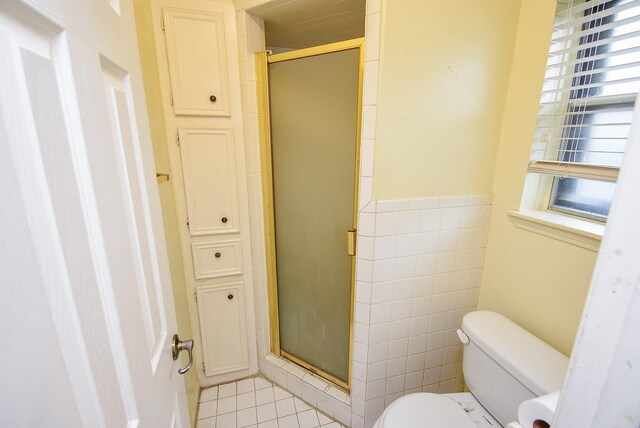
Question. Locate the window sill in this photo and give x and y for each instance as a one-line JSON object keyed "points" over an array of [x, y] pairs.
{"points": [[583, 233]]}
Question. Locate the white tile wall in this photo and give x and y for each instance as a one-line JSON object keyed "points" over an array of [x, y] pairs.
{"points": [[419, 268], [251, 41]]}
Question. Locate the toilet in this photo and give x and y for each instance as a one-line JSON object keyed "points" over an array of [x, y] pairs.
{"points": [[503, 365]]}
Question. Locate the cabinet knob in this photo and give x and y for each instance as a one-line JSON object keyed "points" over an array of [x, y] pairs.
{"points": [[213, 98], [217, 255], [230, 297], [223, 219]]}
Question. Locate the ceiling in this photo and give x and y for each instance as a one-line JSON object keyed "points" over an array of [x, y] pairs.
{"points": [[304, 23]]}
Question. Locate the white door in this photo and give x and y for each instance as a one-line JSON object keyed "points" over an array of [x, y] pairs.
{"points": [[86, 309]]}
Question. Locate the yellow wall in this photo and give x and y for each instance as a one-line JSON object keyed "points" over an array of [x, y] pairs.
{"points": [[536, 281], [444, 74], [151, 79]]}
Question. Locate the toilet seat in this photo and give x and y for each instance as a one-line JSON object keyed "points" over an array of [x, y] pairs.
{"points": [[422, 410]]}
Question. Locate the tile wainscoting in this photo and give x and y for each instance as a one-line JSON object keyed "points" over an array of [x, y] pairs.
{"points": [[418, 272]]}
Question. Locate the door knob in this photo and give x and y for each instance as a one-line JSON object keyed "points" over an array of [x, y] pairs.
{"points": [[178, 345]]}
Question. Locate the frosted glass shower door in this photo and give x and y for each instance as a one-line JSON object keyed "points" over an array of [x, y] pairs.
{"points": [[314, 112]]}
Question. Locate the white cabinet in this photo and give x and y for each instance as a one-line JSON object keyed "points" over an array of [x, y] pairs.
{"points": [[196, 47], [196, 51], [209, 173], [222, 328]]}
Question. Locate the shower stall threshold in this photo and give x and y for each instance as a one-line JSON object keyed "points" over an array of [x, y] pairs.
{"points": [[327, 396]]}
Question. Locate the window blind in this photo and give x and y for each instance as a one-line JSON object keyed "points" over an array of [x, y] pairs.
{"points": [[591, 83]]}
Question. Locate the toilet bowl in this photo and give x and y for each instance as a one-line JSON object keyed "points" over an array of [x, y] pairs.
{"points": [[503, 365], [459, 410]]}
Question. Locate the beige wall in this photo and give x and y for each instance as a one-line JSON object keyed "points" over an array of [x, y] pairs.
{"points": [[150, 76], [538, 282], [444, 75]]}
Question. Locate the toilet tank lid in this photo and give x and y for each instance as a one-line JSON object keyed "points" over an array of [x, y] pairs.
{"points": [[534, 363]]}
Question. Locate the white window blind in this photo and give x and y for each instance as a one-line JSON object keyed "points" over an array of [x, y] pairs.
{"points": [[591, 83]]}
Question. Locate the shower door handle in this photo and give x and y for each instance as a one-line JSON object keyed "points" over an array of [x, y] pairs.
{"points": [[177, 346], [351, 242]]}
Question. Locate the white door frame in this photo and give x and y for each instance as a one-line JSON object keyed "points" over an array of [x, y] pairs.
{"points": [[603, 381]]}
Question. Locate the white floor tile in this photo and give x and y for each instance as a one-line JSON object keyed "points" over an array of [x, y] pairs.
{"points": [[324, 420], [206, 423], [256, 403], [301, 406], [226, 405], [245, 385], [308, 419], [247, 417], [285, 407], [209, 394], [280, 394], [246, 400], [267, 412], [226, 421], [290, 421], [262, 383], [269, 424], [227, 390], [207, 409], [264, 396]]}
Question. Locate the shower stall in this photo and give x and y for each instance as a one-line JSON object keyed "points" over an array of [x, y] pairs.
{"points": [[311, 101]]}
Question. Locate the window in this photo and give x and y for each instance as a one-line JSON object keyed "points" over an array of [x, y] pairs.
{"points": [[591, 84]]}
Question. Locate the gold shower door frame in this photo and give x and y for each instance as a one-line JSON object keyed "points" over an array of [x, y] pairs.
{"points": [[263, 59]]}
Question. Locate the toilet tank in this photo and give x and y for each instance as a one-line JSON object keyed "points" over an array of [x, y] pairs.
{"points": [[503, 364]]}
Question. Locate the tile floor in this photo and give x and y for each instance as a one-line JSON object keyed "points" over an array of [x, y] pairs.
{"points": [[257, 403]]}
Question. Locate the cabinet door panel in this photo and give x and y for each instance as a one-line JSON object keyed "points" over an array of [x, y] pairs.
{"points": [[213, 259], [208, 167], [197, 62], [223, 328]]}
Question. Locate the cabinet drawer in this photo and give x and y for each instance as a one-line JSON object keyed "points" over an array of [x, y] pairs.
{"points": [[213, 259], [222, 328]]}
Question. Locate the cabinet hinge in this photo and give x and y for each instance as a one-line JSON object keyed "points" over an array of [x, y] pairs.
{"points": [[187, 223], [203, 370], [195, 297], [178, 137], [162, 23], [171, 98]]}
